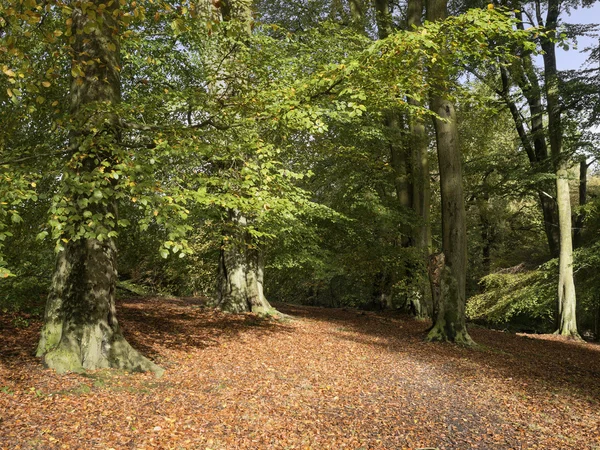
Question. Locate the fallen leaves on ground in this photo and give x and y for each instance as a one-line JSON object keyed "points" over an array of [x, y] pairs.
{"points": [[326, 379]]}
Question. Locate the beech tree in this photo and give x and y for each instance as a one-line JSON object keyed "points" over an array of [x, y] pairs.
{"points": [[543, 101], [566, 283], [173, 117], [450, 322], [81, 330]]}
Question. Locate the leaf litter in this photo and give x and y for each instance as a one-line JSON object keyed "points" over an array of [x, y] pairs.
{"points": [[326, 379]]}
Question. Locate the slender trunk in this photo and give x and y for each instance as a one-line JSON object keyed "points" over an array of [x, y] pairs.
{"points": [[534, 142], [486, 250], [566, 285], [486, 228], [580, 218], [81, 330], [409, 164], [567, 302], [450, 324], [399, 159], [421, 189]]}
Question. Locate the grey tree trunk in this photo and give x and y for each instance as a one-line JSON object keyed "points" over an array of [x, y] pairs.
{"points": [[580, 218], [241, 274], [81, 330], [449, 323], [567, 302]]}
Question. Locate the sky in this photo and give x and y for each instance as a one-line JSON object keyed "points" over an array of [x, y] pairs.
{"points": [[573, 59]]}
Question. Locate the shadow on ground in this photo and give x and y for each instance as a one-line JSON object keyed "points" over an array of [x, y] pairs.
{"points": [[150, 325], [158, 325], [555, 365]]}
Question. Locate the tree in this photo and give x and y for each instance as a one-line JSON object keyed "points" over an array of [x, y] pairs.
{"points": [[566, 283], [240, 276], [449, 324], [81, 331]]}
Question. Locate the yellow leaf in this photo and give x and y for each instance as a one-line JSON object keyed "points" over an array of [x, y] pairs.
{"points": [[8, 72], [46, 84], [490, 6]]}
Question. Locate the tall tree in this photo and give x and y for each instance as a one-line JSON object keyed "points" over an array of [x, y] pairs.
{"points": [[567, 322], [532, 134], [240, 277], [449, 323], [81, 330]]}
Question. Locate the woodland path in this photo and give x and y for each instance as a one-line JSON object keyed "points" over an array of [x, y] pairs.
{"points": [[329, 379]]}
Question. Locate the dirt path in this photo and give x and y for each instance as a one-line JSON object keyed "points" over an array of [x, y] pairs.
{"points": [[331, 379]]}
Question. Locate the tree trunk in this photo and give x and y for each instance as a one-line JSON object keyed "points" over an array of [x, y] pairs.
{"points": [[449, 324], [409, 164], [81, 331], [580, 218], [241, 273], [567, 302], [534, 142], [421, 189], [241, 278]]}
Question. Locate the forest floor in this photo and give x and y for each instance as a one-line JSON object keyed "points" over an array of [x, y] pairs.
{"points": [[326, 379]]}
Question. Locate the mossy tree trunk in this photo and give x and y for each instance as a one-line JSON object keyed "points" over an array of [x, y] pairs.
{"points": [[449, 323], [81, 331]]}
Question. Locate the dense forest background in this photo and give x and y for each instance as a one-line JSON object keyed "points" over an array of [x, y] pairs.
{"points": [[426, 157]]}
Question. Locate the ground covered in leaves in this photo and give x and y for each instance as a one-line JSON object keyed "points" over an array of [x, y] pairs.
{"points": [[326, 379]]}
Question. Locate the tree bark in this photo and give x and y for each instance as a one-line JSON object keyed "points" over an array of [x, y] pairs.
{"points": [[580, 218], [421, 189], [241, 273], [450, 324], [81, 331], [567, 301]]}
